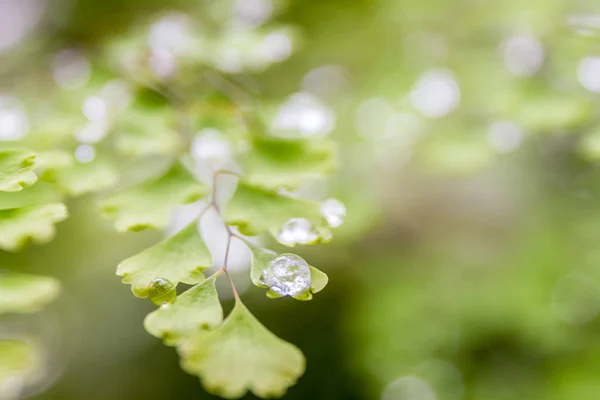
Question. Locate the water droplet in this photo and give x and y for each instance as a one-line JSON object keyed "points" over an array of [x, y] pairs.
{"points": [[117, 94], [277, 47], [504, 136], [163, 63], [287, 275], [588, 73], [334, 212], [297, 231], [408, 388], [325, 81], [14, 123], [252, 13], [70, 69], [162, 291], [94, 108], [85, 153], [523, 55], [211, 147], [436, 93], [171, 33], [306, 114], [92, 132]]}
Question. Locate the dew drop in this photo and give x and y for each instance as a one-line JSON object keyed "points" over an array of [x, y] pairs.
{"points": [[162, 291], [436, 93], [211, 147], [94, 108], [523, 55], [306, 114], [14, 122], [334, 212], [70, 69], [287, 275], [85, 153], [297, 231]]}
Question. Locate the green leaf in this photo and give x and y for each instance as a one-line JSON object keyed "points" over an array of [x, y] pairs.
{"points": [[16, 169], [48, 160], [36, 223], [82, 178], [180, 258], [147, 132], [40, 193], [549, 112], [196, 308], [274, 162], [19, 360], [242, 355], [261, 258], [24, 293], [256, 210], [150, 203]]}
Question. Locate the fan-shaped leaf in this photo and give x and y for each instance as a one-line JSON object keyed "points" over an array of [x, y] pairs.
{"points": [[16, 169], [24, 293], [149, 204], [242, 355], [196, 308], [180, 258], [256, 210], [36, 223]]}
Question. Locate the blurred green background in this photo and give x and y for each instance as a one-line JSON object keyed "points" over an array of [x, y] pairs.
{"points": [[468, 266]]}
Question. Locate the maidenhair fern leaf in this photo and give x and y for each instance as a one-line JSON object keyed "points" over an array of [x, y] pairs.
{"points": [[149, 204], [180, 258], [16, 169], [256, 210], [24, 293], [195, 309], [35, 223], [242, 355]]}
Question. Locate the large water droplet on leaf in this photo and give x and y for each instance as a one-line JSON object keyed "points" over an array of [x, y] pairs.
{"points": [[297, 231], [162, 291], [334, 212], [287, 275]]}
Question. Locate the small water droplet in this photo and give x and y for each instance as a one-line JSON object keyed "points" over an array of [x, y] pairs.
{"points": [[297, 231], [287, 275], [162, 291], [334, 212], [14, 122], [70, 69], [94, 108], [211, 147], [85, 153]]}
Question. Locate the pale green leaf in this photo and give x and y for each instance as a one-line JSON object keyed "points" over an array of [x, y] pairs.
{"points": [[147, 132], [48, 160], [274, 162], [150, 203], [35, 223], [551, 112], [25, 293], [19, 364], [16, 169], [261, 258], [256, 210], [82, 178], [40, 193], [180, 258], [197, 308], [242, 355]]}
